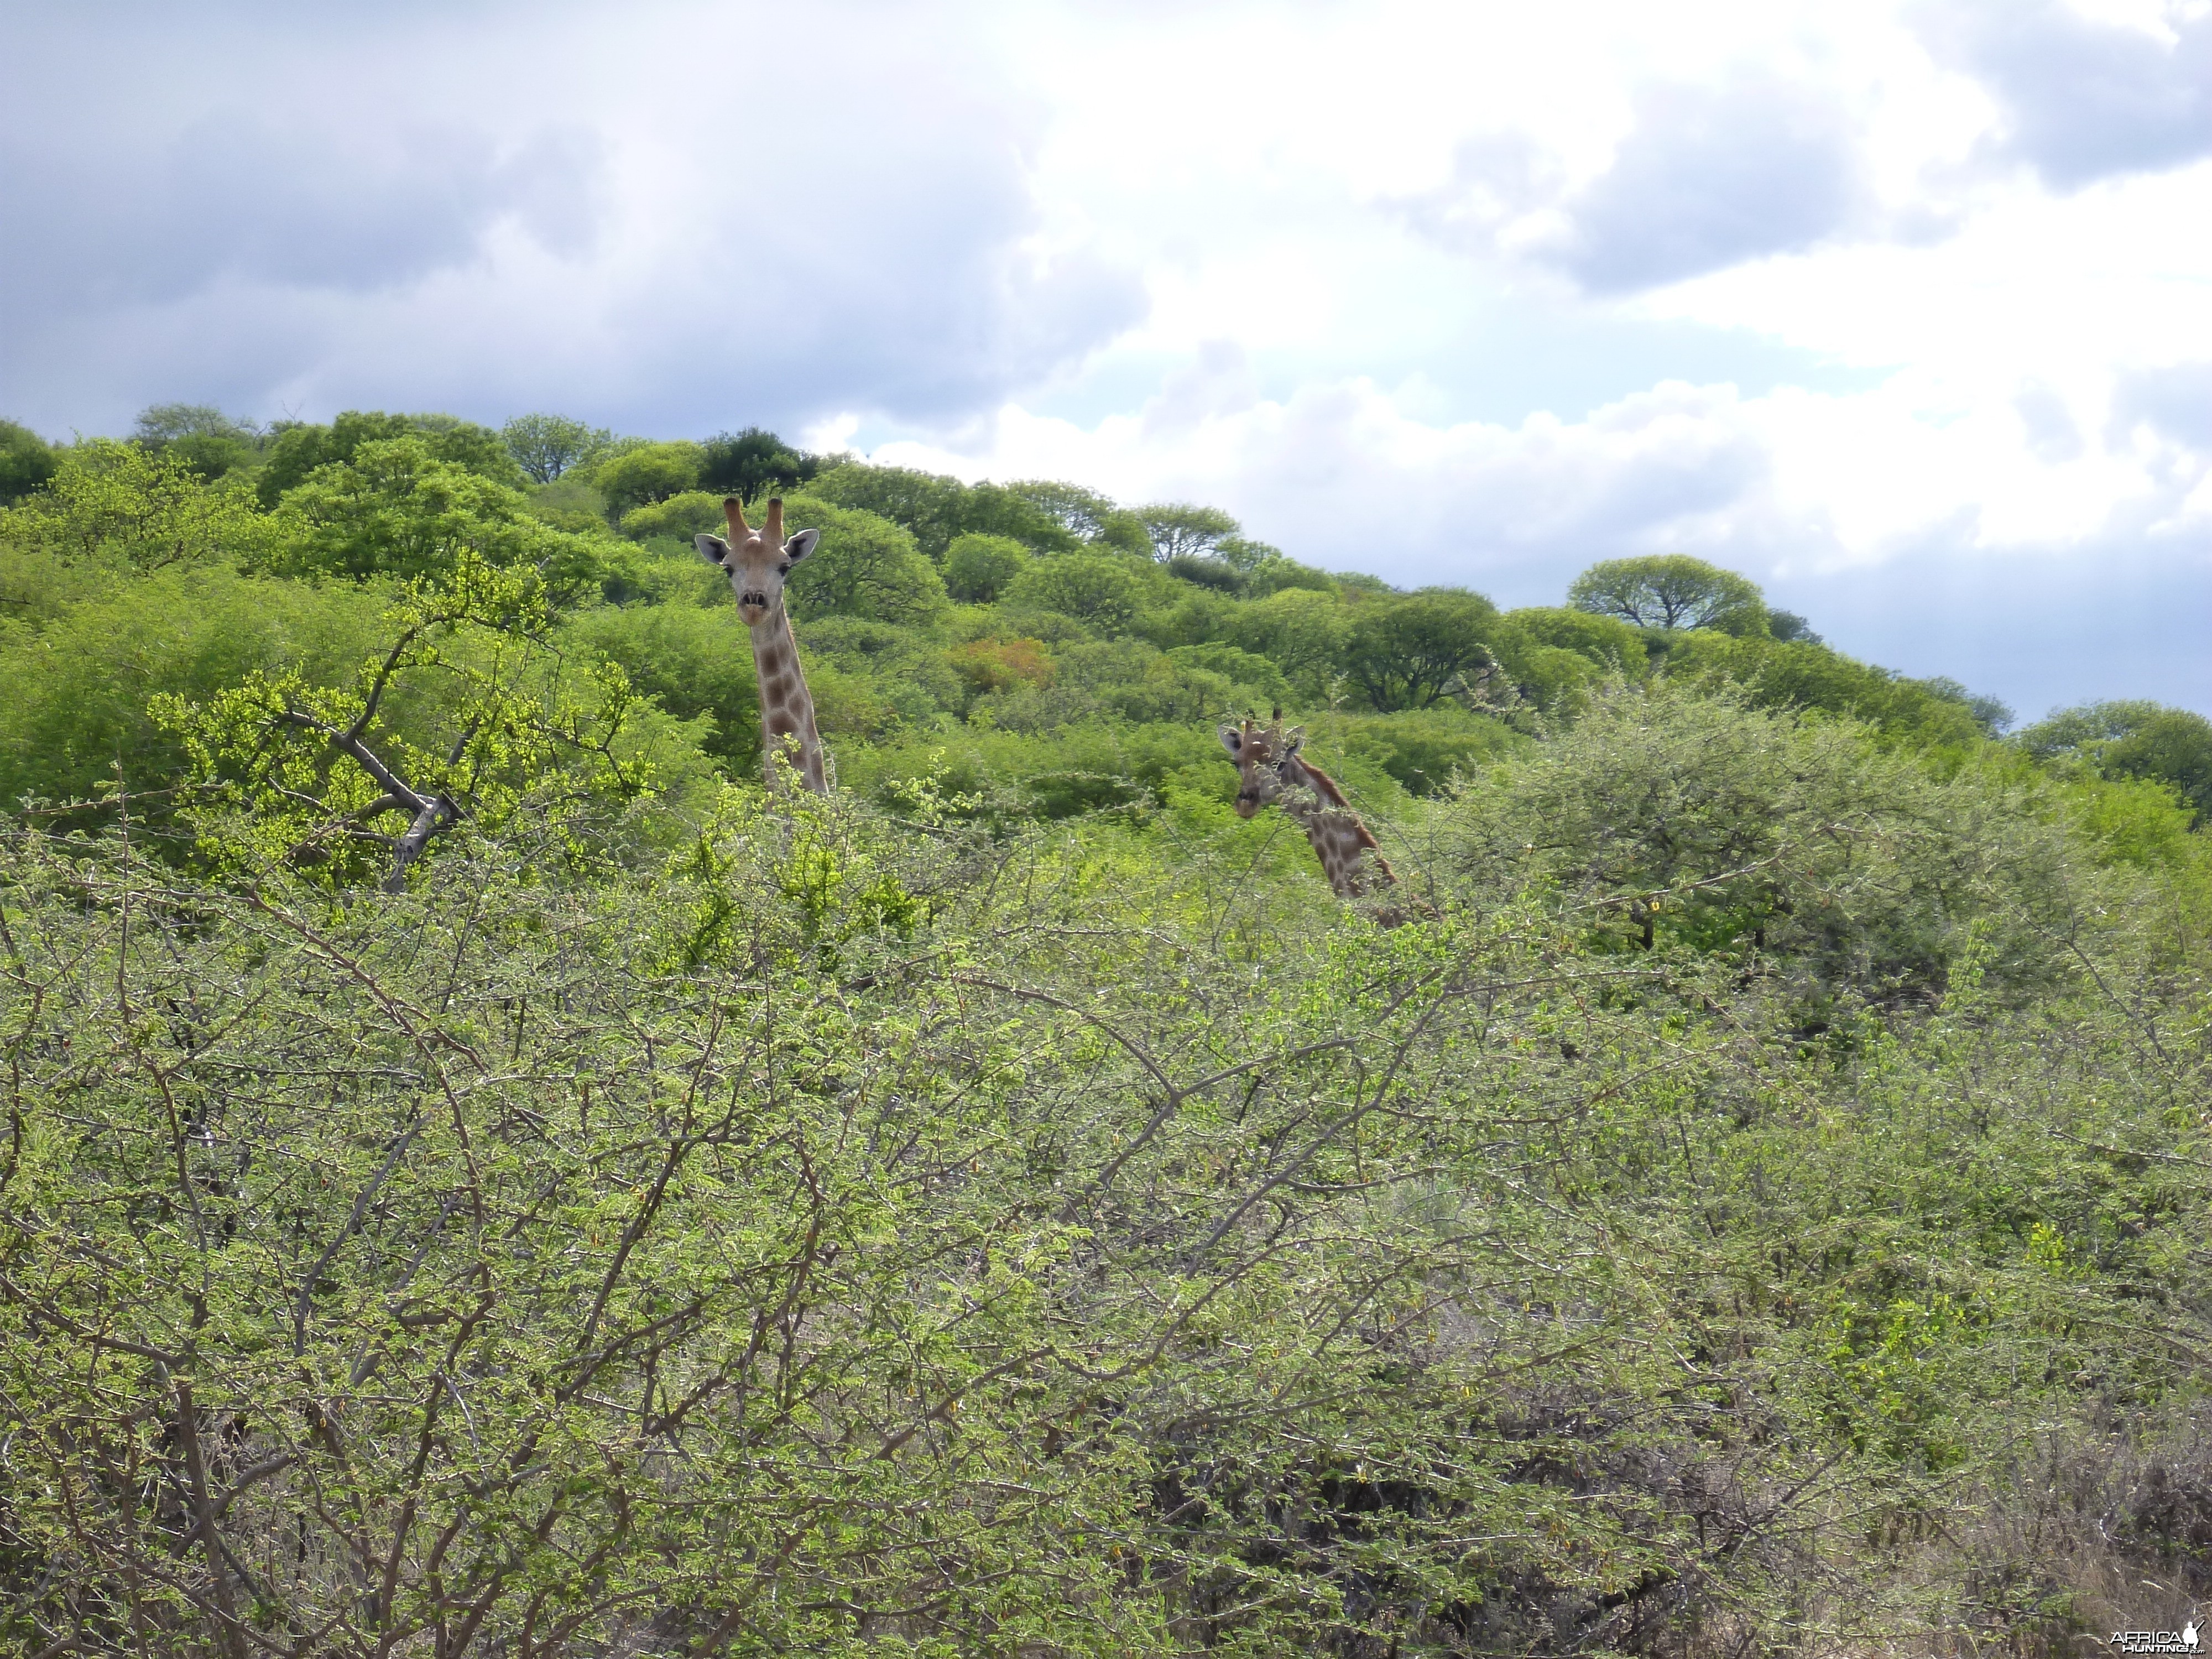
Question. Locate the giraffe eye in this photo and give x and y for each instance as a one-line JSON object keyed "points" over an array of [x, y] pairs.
{"points": [[784, 569]]}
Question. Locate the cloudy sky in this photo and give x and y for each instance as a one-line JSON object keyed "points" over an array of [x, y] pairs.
{"points": [[1903, 310]]}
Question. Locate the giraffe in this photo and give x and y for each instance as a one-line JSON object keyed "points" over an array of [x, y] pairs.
{"points": [[757, 562], [1272, 769]]}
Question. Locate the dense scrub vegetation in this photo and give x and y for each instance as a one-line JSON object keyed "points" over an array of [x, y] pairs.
{"points": [[481, 1176]]}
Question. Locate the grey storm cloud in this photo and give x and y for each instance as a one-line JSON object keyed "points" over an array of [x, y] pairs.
{"points": [[1711, 177], [1707, 177], [307, 214], [250, 198], [2083, 100]]}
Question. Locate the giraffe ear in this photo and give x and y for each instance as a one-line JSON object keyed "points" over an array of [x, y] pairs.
{"points": [[712, 549], [1294, 740], [802, 544], [1233, 741]]}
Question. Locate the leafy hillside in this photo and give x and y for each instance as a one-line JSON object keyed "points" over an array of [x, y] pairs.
{"points": [[483, 1177]]}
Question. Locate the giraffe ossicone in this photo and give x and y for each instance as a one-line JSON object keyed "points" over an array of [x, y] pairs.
{"points": [[757, 562], [1271, 770]]}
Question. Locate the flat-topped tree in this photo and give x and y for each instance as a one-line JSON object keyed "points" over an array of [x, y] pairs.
{"points": [[1271, 771], [757, 562]]}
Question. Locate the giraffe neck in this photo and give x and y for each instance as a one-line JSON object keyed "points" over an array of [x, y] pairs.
{"points": [[1347, 851], [786, 709]]}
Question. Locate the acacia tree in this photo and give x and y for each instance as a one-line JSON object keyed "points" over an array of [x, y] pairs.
{"points": [[467, 711], [1082, 512], [1414, 650], [1178, 528], [546, 446], [1670, 591]]}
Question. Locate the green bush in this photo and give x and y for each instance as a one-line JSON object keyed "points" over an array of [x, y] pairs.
{"points": [[1607, 642], [1103, 591], [646, 473], [693, 661], [394, 509], [1797, 674], [977, 569], [128, 509], [2171, 746], [686, 514], [26, 461], [77, 715], [864, 566]]}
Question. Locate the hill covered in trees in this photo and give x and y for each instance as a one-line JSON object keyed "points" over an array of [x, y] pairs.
{"points": [[482, 1176]]}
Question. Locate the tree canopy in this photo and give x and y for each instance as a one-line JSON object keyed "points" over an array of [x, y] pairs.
{"points": [[1178, 529], [481, 1176], [752, 463], [1413, 651], [26, 461], [546, 446], [1670, 591], [2133, 740], [647, 473]]}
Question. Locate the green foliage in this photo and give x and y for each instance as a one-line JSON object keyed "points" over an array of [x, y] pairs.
{"points": [[394, 509], [1246, 670], [977, 569], [1413, 651], [126, 508], [299, 450], [647, 473], [864, 566], [1277, 575], [2171, 746], [1124, 532], [1206, 571], [1303, 631], [904, 672], [1991, 714], [1081, 512], [1801, 675], [752, 463], [938, 509], [854, 1236], [282, 772], [1103, 591], [1420, 749], [546, 446], [1179, 530], [1240, 553], [683, 515], [77, 718], [26, 461], [1789, 625], [202, 437], [693, 661], [1606, 642], [1670, 591], [1842, 872], [1751, 1205]]}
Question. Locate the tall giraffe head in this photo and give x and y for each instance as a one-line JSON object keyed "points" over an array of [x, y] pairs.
{"points": [[757, 561], [1260, 751]]}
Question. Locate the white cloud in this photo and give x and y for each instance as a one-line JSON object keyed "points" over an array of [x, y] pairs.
{"points": [[1866, 299]]}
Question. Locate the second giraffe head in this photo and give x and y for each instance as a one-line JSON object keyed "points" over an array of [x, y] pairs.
{"points": [[1260, 752], [757, 561]]}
